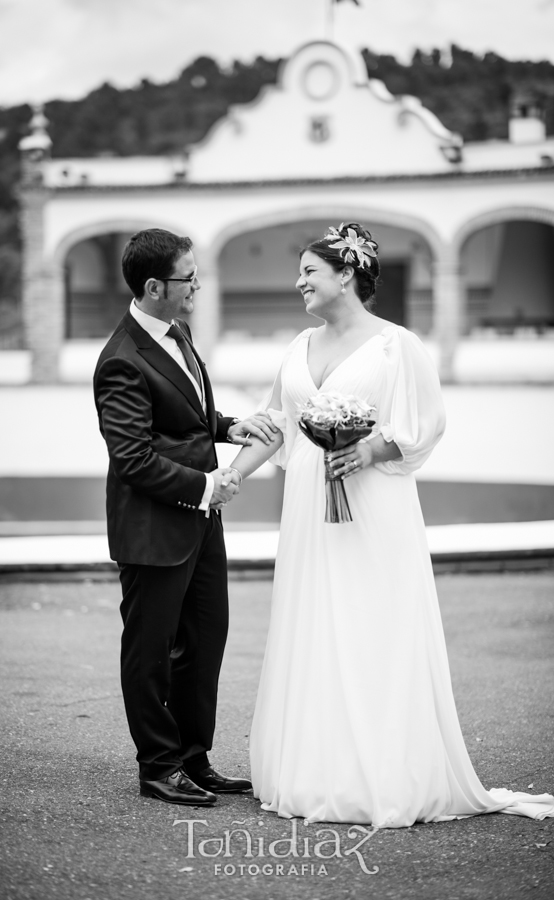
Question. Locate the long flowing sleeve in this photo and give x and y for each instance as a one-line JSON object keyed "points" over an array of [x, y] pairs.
{"points": [[281, 415], [411, 409]]}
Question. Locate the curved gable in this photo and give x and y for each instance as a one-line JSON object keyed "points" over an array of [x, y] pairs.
{"points": [[324, 119]]}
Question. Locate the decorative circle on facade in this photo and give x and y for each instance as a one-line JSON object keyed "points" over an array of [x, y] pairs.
{"points": [[321, 81]]}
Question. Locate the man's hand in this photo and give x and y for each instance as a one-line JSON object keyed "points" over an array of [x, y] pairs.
{"points": [[227, 484], [258, 424]]}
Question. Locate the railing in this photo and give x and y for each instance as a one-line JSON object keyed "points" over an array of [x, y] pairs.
{"points": [[537, 325]]}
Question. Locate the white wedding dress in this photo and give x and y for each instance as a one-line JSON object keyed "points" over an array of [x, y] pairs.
{"points": [[355, 719]]}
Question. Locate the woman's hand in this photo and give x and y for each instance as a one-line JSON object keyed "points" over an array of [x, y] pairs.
{"points": [[258, 424], [351, 459]]}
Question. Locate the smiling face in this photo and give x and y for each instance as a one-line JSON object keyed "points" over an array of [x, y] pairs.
{"points": [[319, 284], [172, 297], [180, 294]]}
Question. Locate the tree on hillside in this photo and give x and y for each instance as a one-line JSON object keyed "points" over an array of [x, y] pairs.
{"points": [[472, 95]]}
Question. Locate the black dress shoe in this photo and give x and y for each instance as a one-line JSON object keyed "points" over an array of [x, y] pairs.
{"points": [[177, 788], [211, 780]]}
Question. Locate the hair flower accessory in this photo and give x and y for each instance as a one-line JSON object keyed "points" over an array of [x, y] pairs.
{"points": [[352, 247]]}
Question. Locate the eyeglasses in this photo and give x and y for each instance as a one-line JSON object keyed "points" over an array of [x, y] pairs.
{"points": [[188, 280]]}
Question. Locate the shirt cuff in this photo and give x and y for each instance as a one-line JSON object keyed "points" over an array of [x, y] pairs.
{"points": [[207, 495]]}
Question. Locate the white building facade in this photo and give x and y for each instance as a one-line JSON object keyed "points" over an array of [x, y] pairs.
{"points": [[466, 234]]}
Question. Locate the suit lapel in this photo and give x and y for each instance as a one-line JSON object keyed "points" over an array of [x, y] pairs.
{"points": [[157, 357]]}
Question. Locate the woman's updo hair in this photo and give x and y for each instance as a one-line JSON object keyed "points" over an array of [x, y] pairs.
{"points": [[366, 275]]}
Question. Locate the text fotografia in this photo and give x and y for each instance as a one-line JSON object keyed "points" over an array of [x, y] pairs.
{"points": [[239, 842], [270, 869]]}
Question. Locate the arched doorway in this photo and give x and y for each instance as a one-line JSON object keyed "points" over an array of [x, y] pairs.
{"points": [[259, 268], [96, 295], [507, 270]]}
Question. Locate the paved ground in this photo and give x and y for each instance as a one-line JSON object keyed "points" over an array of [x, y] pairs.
{"points": [[75, 828]]}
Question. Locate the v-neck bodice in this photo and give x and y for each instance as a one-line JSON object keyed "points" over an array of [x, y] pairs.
{"points": [[390, 371], [344, 361]]}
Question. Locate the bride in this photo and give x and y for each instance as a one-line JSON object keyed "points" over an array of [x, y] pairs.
{"points": [[355, 719]]}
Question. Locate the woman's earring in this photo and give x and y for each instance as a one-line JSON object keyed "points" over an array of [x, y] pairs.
{"points": [[342, 288]]}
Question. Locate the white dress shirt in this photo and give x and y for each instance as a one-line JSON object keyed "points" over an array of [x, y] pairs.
{"points": [[157, 329]]}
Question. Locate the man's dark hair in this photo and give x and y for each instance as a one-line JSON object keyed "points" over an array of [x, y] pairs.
{"points": [[151, 254]]}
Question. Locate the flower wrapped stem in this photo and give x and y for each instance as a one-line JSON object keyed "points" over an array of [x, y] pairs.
{"points": [[337, 509]]}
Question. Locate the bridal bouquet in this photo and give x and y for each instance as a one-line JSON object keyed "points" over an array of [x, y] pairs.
{"points": [[332, 421]]}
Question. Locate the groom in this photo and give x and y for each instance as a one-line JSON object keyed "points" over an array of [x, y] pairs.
{"points": [[164, 494]]}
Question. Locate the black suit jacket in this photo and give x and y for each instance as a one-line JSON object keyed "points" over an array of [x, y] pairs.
{"points": [[160, 443]]}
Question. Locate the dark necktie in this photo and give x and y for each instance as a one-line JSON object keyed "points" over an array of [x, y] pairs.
{"points": [[186, 349]]}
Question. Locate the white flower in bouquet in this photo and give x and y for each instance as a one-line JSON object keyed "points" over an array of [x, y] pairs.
{"points": [[333, 409]]}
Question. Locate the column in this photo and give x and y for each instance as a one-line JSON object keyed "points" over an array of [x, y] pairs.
{"points": [[42, 291], [42, 280], [205, 320], [447, 310]]}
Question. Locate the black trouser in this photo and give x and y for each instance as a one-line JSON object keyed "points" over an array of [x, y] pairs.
{"points": [[175, 626]]}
